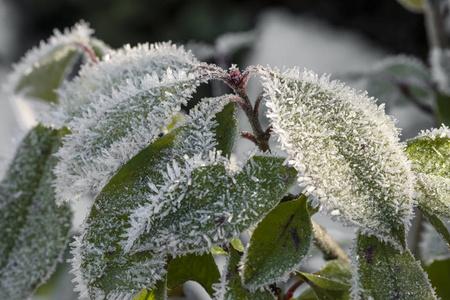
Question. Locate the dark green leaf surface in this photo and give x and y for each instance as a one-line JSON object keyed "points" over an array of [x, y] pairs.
{"points": [[233, 289], [439, 275], [199, 268], [278, 244], [33, 230], [385, 273], [226, 129]]}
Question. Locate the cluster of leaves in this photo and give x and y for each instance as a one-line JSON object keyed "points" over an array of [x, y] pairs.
{"points": [[128, 135]]}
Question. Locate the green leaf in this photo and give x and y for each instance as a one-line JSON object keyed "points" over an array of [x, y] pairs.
{"points": [[430, 152], [101, 266], [384, 272], [345, 149], [206, 215], [331, 282], [231, 287], [226, 129], [199, 268], [430, 156], [33, 230], [439, 274], [237, 244], [47, 75], [278, 244]]}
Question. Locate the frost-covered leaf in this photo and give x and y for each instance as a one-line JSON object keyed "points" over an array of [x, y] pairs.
{"points": [[430, 155], [278, 244], [383, 272], [43, 69], [100, 264], [396, 80], [346, 151], [439, 274], [33, 230], [199, 268], [231, 288], [331, 282], [117, 107]]}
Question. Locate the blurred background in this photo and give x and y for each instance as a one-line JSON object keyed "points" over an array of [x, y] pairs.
{"points": [[327, 36]]}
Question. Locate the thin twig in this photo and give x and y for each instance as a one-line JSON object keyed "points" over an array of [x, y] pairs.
{"points": [[327, 244]]}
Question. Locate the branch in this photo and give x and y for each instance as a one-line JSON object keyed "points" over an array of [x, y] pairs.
{"points": [[327, 244]]}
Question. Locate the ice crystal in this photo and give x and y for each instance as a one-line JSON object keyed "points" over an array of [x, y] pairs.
{"points": [[345, 148], [117, 107]]}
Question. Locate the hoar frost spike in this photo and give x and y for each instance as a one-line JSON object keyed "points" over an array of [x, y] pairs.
{"points": [[345, 148]]}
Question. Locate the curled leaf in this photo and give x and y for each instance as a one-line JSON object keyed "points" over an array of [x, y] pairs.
{"points": [[346, 150]]}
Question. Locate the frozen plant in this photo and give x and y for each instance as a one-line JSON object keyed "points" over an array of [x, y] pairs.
{"points": [[127, 132]]}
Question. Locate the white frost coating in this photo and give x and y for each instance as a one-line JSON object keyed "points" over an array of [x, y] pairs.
{"points": [[128, 101], [440, 68], [132, 63], [433, 192], [192, 150], [345, 148], [79, 33], [441, 132]]}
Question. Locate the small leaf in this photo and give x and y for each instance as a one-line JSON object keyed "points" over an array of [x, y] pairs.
{"points": [[346, 150], [157, 293], [199, 268], [42, 70], [278, 244], [237, 244], [335, 276], [48, 74], [331, 282], [33, 230], [439, 273], [231, 286], [384, 272]]}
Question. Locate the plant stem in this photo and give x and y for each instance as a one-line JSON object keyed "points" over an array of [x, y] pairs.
{"points": [[435, 13], [327, 244]]}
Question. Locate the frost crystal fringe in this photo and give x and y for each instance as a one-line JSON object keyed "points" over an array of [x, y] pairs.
{"points": [[345, 148]]}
